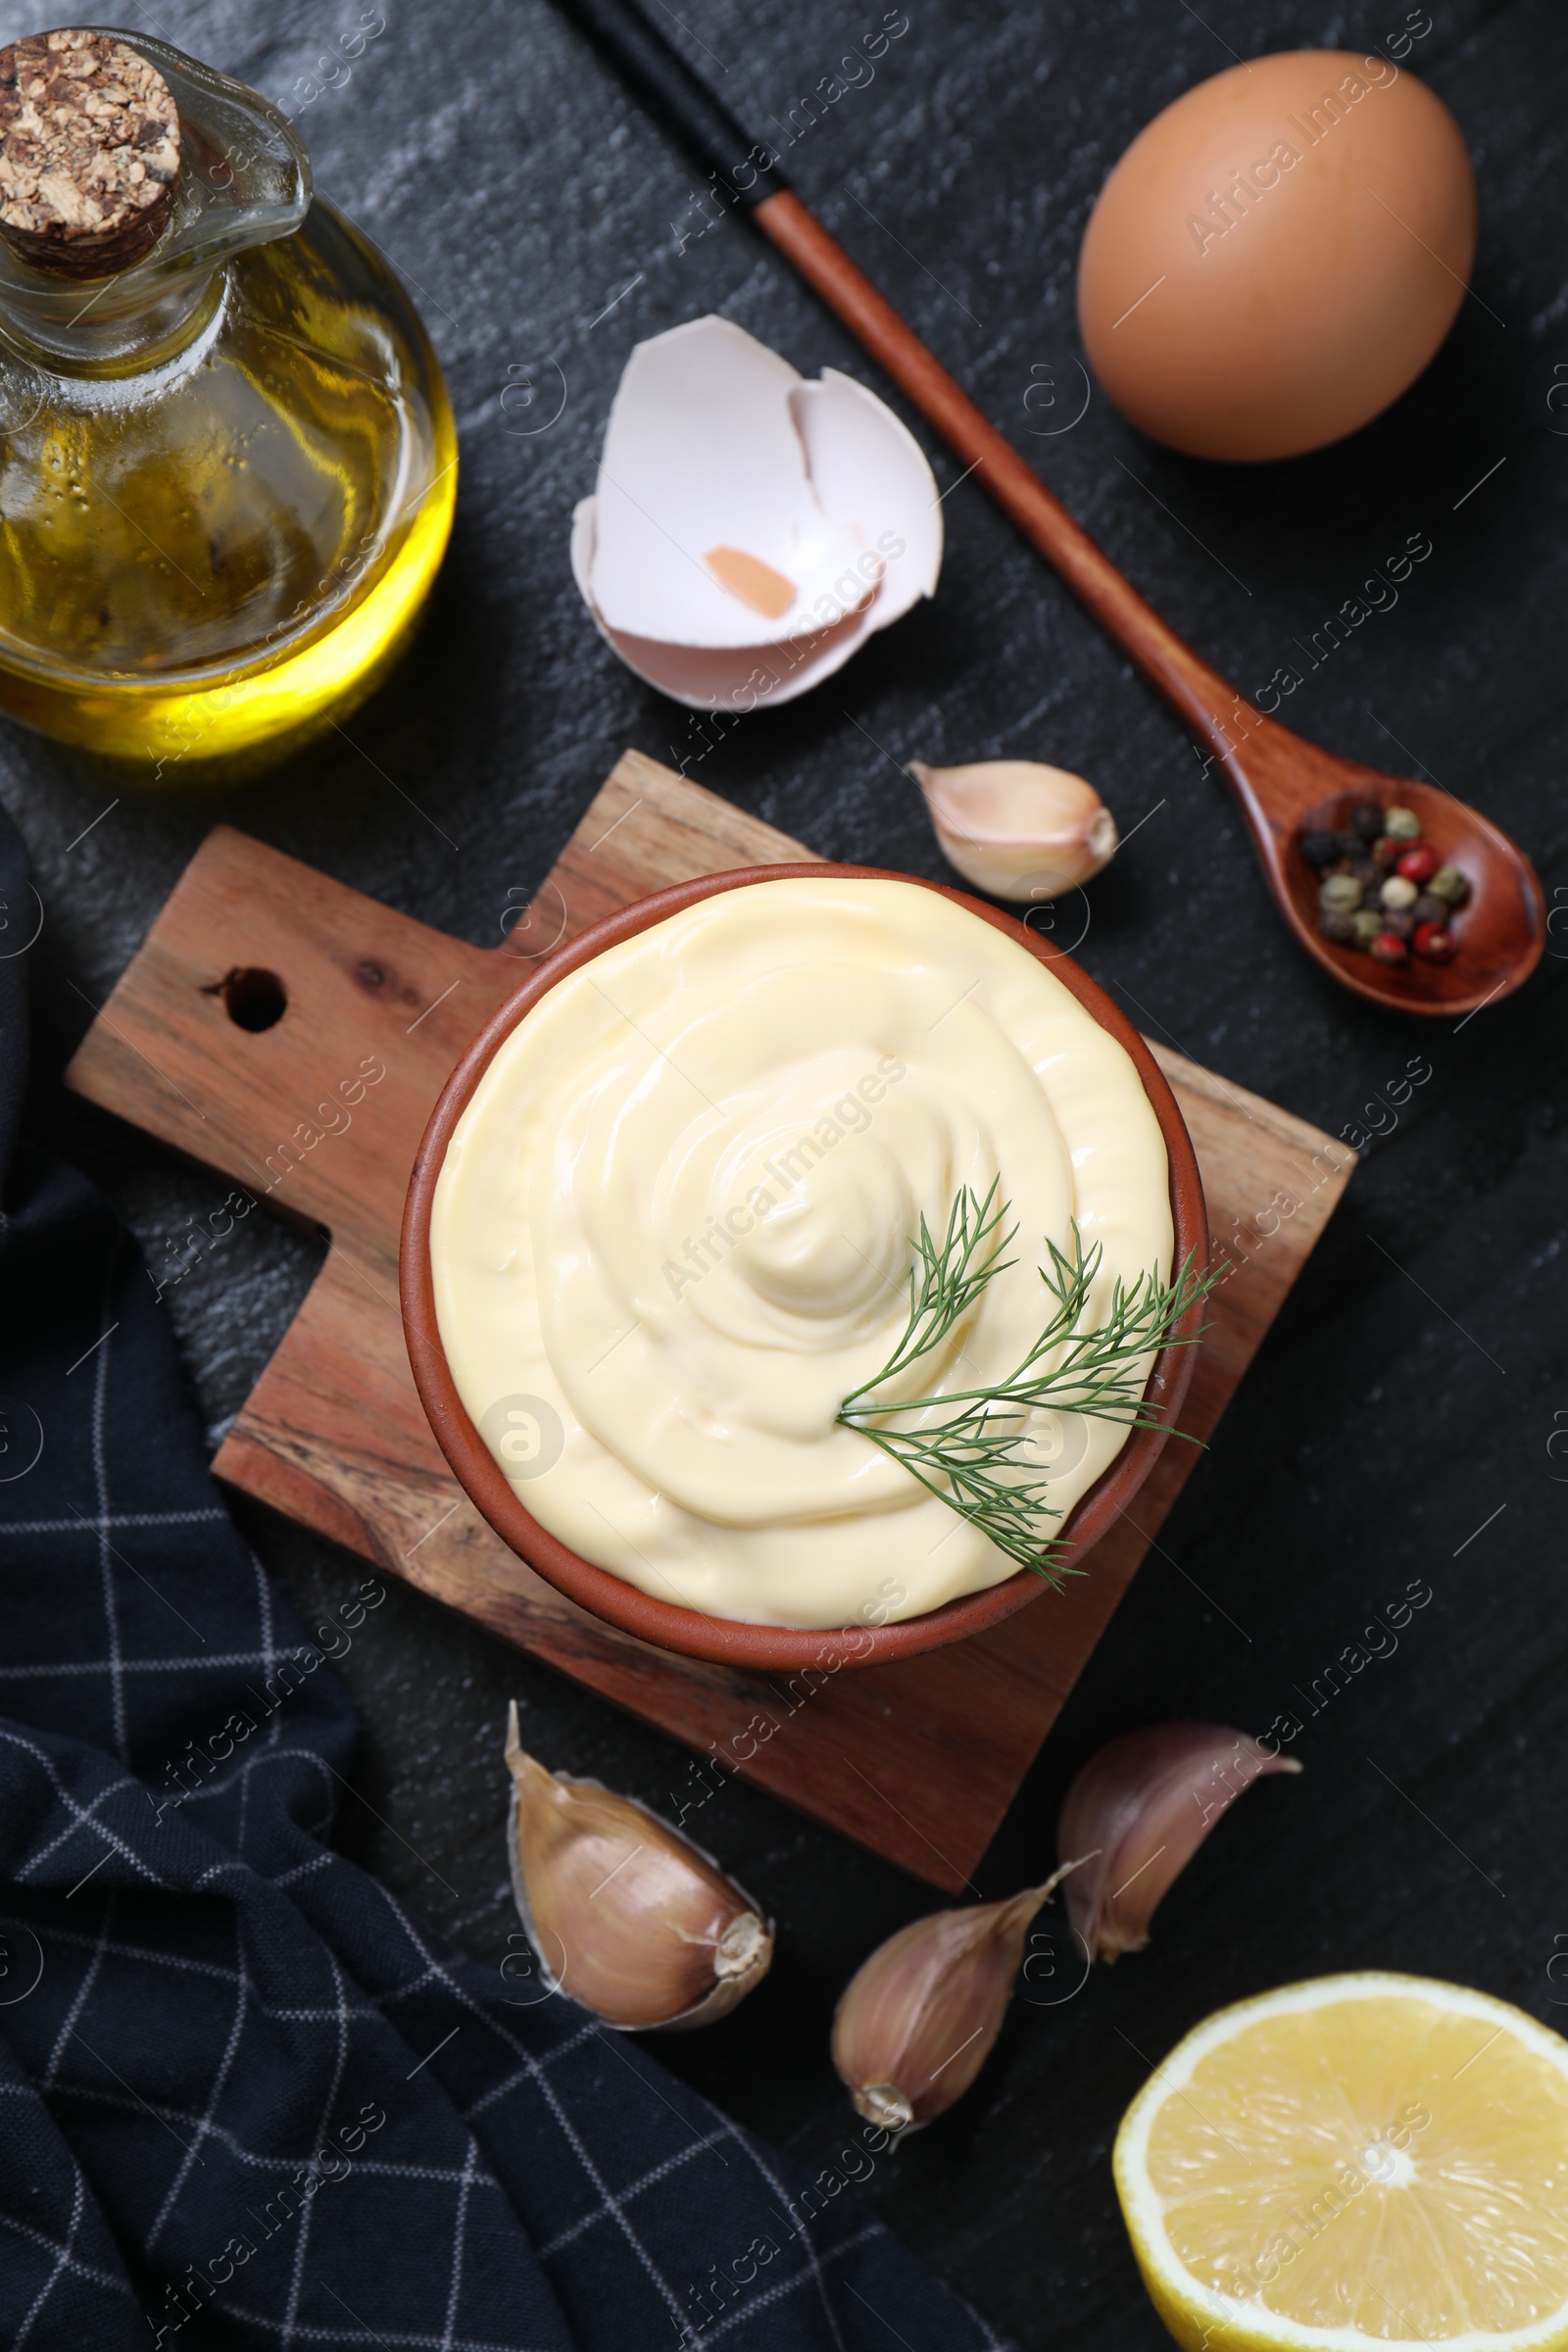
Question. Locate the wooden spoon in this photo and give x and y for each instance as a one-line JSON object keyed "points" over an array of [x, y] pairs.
{"points": [[1279, 781], [1278, 778]]}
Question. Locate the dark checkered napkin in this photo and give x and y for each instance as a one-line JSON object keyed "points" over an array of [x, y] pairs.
{"points": [[245, 2096]]}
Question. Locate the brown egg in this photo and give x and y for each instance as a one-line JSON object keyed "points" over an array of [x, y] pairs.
{"points": [[1278, 255]]}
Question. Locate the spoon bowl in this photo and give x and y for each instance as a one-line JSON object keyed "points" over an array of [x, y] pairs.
{"points": [[1286, 786]]}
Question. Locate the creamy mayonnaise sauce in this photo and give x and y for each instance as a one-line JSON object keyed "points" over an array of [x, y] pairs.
{"points": [[672, 1233]]}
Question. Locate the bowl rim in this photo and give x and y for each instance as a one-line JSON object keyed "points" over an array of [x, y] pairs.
{"points": [[665, 1625]]}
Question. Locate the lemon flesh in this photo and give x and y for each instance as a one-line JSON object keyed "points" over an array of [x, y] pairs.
{"points": [[1361, 2160]]}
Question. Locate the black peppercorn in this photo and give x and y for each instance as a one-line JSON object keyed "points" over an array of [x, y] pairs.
{"points": [[1367, 820], [1398, 920], [1320, 848], [1351, 845], [1428, 910], [1334, 923], [1370, 875]]}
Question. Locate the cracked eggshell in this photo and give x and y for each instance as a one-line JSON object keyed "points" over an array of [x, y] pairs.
{"points": [[701, 459], [706, 678], [749, 530], [864, 463]]}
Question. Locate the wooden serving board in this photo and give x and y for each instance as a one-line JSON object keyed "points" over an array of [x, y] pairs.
{"points": [[918, 1760]]}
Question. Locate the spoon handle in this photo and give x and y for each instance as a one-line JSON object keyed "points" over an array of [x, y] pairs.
{"points": [[1201, 698], [747, 172]]}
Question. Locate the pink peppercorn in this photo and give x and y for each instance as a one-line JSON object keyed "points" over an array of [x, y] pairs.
{"points": [[1435, 942], [1420, 863], [1389, 949]]}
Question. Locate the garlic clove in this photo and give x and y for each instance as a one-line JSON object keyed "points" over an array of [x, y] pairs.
{"points": [[1147, 1801], [1016, 828], [626, 1915], [919, 2019]]}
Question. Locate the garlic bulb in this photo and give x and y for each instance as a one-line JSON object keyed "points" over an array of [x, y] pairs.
{"points": [[919, 2019], [1017, 829], [1147, 1801], [627, 1916]]}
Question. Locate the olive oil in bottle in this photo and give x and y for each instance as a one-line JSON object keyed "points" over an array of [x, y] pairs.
{"points": [[227, 461]]}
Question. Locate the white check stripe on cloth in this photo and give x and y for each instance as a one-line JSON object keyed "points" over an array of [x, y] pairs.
{"points": [[83, 1813], [82, 1996], [204, 2123], [63, 2262], [256, 1659], [91, 1524], [636, 2188], [83, 1819], [317, 2137], [384, 2336], [458, 2229], [774, 2294], [71, 2261], [372, 2168], [105, 1548]]}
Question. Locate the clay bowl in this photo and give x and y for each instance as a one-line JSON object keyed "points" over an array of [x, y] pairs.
{"points": [[722, 1640]]}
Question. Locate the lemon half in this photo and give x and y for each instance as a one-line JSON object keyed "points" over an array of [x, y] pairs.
{"points": [[1361, 2160]]}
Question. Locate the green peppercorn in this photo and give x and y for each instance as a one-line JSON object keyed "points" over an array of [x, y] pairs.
{"points": [[1402, 823], [1341, 892], [1336, 923], [1449, 885], [1368, 923]]}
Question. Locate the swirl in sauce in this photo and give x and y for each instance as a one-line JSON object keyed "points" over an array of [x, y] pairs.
{"points": [[677, 1212]]}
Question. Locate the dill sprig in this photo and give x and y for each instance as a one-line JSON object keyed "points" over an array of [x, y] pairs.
{"points": [[976, 1457]]}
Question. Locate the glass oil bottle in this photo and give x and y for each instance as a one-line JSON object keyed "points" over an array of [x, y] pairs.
{"points": [[227, 467]]}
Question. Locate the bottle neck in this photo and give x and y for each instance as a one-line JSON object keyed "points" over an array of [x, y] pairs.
{"points": [[245, 179], [96, 340]]}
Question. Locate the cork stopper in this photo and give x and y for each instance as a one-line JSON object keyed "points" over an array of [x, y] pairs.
{"points": [[89, 153]]}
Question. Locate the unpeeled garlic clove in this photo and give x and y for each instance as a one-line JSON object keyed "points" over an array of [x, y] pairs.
{"points": [[1147, 1801], [1016, 828], [918, 2020], [626, 1915]]}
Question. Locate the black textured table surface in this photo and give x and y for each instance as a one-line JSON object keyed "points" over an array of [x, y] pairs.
{"points": [[1408, 1417]]}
